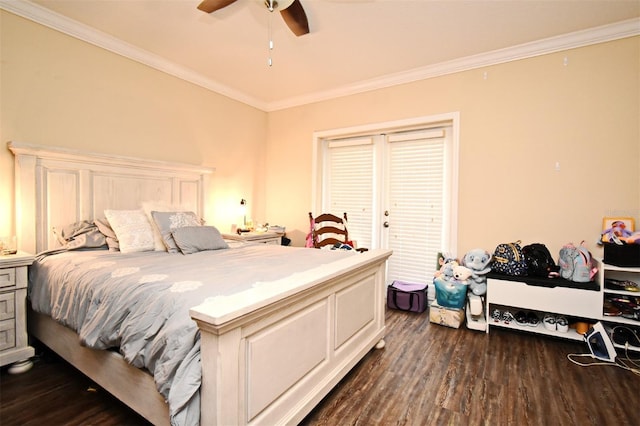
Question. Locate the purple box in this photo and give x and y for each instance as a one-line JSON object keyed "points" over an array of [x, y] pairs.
{"points": [[405, 296]]}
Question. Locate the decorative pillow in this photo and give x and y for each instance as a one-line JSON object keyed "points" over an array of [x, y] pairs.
{"points": [[132, 228], [78, 235], [107, 231], [167, 222], [148, 207], [192, 239]]}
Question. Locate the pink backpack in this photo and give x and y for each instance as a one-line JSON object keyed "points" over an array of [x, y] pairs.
{"points": [[576, 263]]}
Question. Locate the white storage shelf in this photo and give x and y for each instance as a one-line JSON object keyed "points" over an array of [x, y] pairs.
{"points": [[619, 273], [539, 329], [515, 295], [569, 302]]}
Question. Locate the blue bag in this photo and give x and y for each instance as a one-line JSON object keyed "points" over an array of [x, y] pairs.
{"points": [[450, 293]]}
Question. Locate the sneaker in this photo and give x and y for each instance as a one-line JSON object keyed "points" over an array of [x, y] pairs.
{"points": [[562, 325], [521, 318], [532, 319], [496, 315], [507, 317], [549, 322]]}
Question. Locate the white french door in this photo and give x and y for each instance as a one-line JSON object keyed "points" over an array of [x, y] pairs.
{"points": [[399, 190], [415, 198]]}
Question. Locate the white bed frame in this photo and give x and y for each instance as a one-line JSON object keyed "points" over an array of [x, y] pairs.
{"points": [[269, 354]]}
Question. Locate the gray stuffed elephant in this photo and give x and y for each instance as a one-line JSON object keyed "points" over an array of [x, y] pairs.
{"points": [[478, 261]]}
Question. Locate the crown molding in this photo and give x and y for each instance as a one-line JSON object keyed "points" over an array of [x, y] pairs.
{"points": [[619, 30], [90, 35], [41, 15]]}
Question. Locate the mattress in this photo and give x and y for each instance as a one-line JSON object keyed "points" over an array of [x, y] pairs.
{"points": [[138, 303]]}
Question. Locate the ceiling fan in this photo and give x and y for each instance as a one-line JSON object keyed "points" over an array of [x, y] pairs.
{"points": [[291, 10]]}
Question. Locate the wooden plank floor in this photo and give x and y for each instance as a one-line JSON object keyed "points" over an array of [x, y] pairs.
{"points": [[426, 375]]}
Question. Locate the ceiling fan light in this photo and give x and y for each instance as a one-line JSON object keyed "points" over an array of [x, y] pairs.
{"points": [[278, 4]]}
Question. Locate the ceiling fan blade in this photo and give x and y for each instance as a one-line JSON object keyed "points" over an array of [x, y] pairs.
{"points": [[296, 18], [213, 5]]}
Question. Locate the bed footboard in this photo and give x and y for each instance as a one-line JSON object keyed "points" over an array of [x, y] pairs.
{"points": [[269, 359]]}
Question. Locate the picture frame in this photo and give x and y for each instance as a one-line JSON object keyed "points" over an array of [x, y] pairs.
{"points": [[614, 228]]}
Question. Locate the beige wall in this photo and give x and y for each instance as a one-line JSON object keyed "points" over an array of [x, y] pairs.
{"points": [[59, 91], [514, 126]]}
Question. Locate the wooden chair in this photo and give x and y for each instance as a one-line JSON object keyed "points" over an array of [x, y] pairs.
{"points": [[328, 230]]}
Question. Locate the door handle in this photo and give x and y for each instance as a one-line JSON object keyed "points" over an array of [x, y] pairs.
{"points": [[386, 224]]}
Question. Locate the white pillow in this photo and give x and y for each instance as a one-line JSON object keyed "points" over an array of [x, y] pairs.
{"points": [[148, 207], [132, 228]]}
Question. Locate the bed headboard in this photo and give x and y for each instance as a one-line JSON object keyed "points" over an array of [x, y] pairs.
{"points": [[58, 186]]}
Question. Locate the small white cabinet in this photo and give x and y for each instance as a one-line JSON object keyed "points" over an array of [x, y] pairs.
{"points": [[620, 273], [572, 302], [14, 347], [518, 295]]}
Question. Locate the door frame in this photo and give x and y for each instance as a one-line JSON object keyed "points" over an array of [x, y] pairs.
{"points": [[451, 118]]}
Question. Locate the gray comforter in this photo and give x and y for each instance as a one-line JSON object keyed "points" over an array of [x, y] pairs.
{"points": [[139, 303]]}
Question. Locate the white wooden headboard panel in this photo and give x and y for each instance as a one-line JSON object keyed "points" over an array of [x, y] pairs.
{"points": [[57, 186]]}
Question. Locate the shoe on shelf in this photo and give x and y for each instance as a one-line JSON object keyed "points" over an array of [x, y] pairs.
{"points": [[496, 315], [632, 286], [609, 310], [521, 318], [549, 322], [622, 285], [507, 317], [532, 319], [562, 325]]}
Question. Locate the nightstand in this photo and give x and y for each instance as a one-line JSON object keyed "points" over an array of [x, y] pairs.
{"points": [[268, 237], [14, 346]]}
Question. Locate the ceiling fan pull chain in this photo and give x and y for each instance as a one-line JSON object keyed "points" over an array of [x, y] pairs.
{"points": [[269, 34], [269, 4]]}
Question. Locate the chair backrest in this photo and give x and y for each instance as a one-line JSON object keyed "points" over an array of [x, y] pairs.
{"points": [[328, 229]]}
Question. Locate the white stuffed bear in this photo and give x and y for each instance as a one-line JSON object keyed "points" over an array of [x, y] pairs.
{"points": [[478, 261], [462, 274]]}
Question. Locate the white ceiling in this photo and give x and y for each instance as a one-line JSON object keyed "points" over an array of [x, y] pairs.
{"points": [[353, 45]]}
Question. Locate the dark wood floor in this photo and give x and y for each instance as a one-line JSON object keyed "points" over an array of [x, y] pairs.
{"points": [[426, 375]]}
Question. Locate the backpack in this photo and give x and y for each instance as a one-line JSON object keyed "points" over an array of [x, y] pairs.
{"points": [[576, 263], [540, 263], [508, 259]]}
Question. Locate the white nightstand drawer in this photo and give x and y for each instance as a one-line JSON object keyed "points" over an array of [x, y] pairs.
{"points": [[274, 238], [7, 277], [7, 334], [7, 306]]}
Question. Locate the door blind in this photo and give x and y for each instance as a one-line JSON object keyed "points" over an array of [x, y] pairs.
{"points": [[416, 203], [350, 185]]}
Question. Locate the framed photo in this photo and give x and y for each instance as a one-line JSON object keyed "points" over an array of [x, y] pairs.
{"points": [[614, 228]]}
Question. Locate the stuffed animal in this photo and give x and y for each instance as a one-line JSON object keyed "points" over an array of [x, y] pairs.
{"points": [[633, 238], [446, 268], [462, 274], [478, 260]]}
